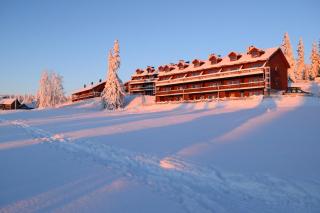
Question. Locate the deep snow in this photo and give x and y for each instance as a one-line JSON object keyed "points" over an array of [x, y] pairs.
{"points": [[255, 155]]}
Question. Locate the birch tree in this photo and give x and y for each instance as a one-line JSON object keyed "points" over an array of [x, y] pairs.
{"points": [[44, 92], [50, 93]]}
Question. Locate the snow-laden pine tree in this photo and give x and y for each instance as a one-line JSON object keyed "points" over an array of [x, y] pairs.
{"points": [[287, 50], [314, 59], [44, 92], [113, 93], [300, 66], [307, 72]]}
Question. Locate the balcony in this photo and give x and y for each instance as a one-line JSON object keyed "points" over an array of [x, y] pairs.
{"points": [[228, 87], [87, 95], [141, 81], [219, 75], [141, 88]]}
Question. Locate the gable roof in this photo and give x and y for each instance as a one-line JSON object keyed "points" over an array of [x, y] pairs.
{"points": [[225, 61], [8, 101], [89, 87]]}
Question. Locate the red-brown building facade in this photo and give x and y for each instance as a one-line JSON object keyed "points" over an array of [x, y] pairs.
{"points": [[255, 72], [91, 91], [143, 81]]}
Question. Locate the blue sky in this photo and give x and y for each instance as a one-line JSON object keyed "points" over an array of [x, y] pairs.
{"points": [[72, 37]]}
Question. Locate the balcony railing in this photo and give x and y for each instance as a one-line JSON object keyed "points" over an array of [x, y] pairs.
{"points": [[259, 84], [143, 81], [87, 95], [240, 72], [142, 88]]}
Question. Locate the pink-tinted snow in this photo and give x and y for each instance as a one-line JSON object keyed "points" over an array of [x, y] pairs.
{"points": [[253, 155]]}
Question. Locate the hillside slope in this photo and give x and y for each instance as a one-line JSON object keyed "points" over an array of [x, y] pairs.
{"points": [[255, 155]]}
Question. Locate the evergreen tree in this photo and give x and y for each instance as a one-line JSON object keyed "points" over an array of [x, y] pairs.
{"points": [[287, 50], [314, 59], [300, 66], [113, 93], [307, 73]]}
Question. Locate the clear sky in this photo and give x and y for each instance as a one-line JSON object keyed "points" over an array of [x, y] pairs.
{"points": [[72, 37]]}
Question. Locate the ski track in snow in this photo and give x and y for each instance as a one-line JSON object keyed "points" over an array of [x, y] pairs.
{"points": [[195, 188]]}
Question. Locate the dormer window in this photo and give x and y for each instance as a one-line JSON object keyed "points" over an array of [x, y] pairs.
{"points": [[197, 62], [150, 69], [233, 56], [182, 64], [254, 52], [139, 71], [214, 59]]}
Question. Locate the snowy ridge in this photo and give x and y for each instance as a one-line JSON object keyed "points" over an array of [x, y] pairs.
{"points": [[195, 188]]}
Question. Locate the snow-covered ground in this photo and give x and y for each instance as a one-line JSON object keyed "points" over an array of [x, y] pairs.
{"points": [[254, 155]]}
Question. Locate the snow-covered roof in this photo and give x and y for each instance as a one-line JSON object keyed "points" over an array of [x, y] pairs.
{"points": [[246, 57], [8, 101], [89, 87]]}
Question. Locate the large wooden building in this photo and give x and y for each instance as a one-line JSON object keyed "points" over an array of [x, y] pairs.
{"points": [[254, 72]]}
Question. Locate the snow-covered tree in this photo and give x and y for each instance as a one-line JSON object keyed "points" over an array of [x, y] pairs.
{"points": [[57, 89], [314, 59], [307, 73], [287, 50], [300, 66], [113, 93], [50, 91], [44, 92]]}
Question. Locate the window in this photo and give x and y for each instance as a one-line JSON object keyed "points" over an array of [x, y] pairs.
{"points": [[214, 84], [253, 80], [234, 82]]}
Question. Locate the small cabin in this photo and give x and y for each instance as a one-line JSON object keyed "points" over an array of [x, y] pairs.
{"points": [[10, 104]]}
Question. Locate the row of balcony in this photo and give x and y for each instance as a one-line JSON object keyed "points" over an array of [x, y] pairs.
{"points": [[241, 72], [215, 88]]}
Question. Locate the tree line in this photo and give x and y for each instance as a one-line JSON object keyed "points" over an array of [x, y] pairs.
{"points": [[299, 69]]}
